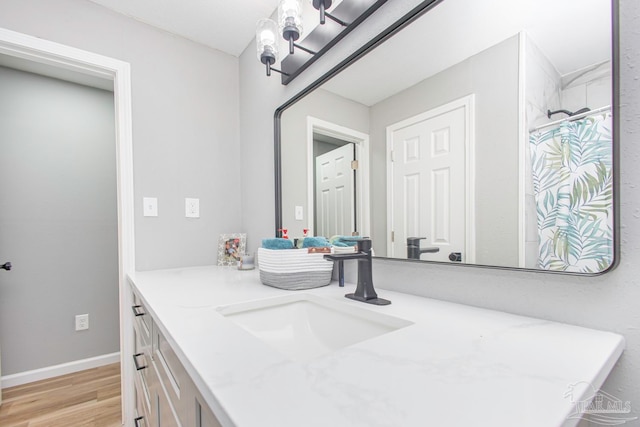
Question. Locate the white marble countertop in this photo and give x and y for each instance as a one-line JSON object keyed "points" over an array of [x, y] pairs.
{"points": [[456, 366]]}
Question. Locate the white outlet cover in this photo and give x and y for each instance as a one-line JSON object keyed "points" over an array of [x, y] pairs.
{"points": [[82, 322], [192, 208], [150, 206], [299, 212]]}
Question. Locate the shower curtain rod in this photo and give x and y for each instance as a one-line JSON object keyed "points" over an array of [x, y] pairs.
{"points": [[572, 118]]}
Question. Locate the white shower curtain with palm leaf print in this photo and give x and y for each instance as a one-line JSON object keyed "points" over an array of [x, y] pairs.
{"points": [[572, 180]]}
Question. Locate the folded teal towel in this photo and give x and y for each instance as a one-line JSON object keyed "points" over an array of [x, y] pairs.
{"points": [[277, 243], [344, 241], [315, 242]]}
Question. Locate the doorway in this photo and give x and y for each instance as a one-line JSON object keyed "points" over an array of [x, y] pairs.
{"points": [[58, 223], [61, 59], [335, 187], [345, 157]]}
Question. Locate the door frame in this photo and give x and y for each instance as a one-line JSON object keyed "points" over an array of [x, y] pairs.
{"points": [[119, 72], [468, 104], [361, 142]]}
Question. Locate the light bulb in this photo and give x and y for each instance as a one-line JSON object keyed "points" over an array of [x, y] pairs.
{"points": [[266, 45], [267, 37], [290, 18]]}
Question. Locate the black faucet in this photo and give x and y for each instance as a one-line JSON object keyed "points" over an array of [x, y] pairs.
{"points": [[364, 290], [413, 248]]}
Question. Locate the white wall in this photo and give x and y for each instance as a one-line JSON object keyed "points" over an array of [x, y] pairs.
{"points": [[607, 302], [185, 123], [587, 88]]}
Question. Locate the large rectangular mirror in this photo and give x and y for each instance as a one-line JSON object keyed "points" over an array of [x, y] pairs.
{"points": [[470, 132]]}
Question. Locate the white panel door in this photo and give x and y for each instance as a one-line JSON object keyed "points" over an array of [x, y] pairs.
{"points": [[335, 191], [428, 185]]}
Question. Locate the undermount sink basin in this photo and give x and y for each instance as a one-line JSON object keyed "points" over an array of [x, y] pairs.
{"points": [[304, 326]]}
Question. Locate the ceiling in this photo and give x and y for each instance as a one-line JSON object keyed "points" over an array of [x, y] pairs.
{"points": [[228, 26], [572, 34]]}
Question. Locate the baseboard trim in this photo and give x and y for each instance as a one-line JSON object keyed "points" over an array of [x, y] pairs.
{"points": [[57, 370]]}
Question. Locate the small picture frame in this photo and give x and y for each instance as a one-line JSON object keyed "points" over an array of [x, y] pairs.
{"points": [[230, 246]]}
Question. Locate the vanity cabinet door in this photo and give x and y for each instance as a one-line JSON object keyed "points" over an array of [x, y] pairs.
{"points": [[172, 375], [204, 416], [198, 413], [166, 415]]}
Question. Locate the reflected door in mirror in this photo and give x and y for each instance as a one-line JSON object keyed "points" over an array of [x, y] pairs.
{"points": [[335, 192], [428, 181]]}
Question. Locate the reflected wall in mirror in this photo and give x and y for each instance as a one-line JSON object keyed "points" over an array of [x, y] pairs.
{"points": [[480, 133]]}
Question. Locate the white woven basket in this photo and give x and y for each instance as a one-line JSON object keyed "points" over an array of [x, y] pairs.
{"points": [[293, 269]]}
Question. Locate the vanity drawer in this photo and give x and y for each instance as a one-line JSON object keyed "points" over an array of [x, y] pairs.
{"points": [[143, 403], [141, 359], [142, 320], [165, 412], [170, 371], [203, 415]]}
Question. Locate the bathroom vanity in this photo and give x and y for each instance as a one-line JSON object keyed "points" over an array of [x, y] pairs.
{"points": [[227, 348]]}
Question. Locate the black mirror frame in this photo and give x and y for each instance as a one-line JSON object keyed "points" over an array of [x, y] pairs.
{"points": [[389, 32]]}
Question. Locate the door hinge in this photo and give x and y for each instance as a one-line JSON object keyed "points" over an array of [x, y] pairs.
{"points": [[354, 165], [393, 236], [392, 155]]}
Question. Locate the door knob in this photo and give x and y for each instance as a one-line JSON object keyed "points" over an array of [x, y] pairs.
{"points": [[6, 266]]}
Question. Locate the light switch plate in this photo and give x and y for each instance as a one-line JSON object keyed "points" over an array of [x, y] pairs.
{"points": [[299, 213], [150, 206], [192, 208]]}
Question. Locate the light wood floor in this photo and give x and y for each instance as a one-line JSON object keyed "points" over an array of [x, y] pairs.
{"points": [[89, 398]]}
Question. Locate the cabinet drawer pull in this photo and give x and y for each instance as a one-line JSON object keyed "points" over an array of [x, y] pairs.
{"points": [[135, 362], [136, 310], [137, 421]]}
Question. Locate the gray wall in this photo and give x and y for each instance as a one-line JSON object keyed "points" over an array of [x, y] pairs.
{"points": [[492, 76], [608, 302], [185, 123], [320, 105], [58, 221], [185, 144]]}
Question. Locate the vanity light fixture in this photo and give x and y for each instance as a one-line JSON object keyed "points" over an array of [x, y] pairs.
{"points": [[290, 27]]}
